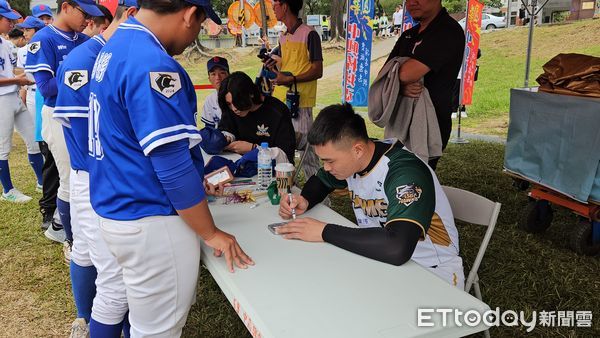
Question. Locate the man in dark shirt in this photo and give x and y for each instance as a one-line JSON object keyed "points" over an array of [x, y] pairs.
{"points": [[435, 46], [249, 118]]}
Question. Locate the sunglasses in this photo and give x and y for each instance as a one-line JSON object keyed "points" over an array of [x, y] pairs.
{"points": [[85, 15]]}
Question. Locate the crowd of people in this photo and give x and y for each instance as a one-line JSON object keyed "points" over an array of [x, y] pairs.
{"points": [[109, 119]]}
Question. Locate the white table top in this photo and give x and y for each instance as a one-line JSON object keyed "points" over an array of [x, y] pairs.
{"points": [[300, 289]]}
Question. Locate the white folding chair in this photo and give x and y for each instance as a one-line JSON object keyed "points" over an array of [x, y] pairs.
{"points": [[475, 209]]}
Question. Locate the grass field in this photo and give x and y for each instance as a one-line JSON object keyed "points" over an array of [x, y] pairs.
{"points": [[520, 271]]}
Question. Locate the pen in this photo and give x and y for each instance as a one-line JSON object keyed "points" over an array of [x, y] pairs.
{"points": [[289, 192]]}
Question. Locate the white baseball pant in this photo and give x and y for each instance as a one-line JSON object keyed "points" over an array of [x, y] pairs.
{"points": [[89, 248], [30, 102], [160, 257], [451, 271], [14, 115], [52, 132]]}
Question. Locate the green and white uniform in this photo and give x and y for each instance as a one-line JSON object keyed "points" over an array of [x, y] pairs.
{"points": [[401, 187]]}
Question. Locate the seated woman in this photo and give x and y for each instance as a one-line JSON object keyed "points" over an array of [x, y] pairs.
{"points": [[250, 118]]}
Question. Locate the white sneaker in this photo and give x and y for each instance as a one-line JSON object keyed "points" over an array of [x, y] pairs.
{"points": [[67, 248], [39, 187], [80, 329], [57, 235], [15, 196]]}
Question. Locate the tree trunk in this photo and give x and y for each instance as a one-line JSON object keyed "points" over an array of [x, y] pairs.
{"points": [[337, 21]]}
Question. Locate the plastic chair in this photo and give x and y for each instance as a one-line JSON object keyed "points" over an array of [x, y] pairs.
{"points": [[475, 209]]}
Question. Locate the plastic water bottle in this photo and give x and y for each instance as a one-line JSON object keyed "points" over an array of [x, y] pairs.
{"points": [[265, 172]]}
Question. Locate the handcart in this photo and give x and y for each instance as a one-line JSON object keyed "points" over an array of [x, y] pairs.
{"points": [[553, 151]]}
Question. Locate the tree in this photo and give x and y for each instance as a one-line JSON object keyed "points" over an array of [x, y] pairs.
{"points": [[455, 6], [337, 20], [22, 6]]}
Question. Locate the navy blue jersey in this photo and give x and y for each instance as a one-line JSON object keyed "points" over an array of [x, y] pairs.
{"points": [[48, 49], [72, 101], [140, 99]]}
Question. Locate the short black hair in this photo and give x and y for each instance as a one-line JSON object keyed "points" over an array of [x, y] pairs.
{"points": [[106, 15], [167, 6], [294, 5], [15, 33], [120, 11], [335, 123], [69, 2], [244, 92]]}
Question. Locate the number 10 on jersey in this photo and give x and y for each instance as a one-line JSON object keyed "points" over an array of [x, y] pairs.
{"points": [[94, 146]]}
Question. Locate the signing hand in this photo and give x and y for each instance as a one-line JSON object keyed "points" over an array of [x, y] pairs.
{"points": [[298, 202], [240, 147], [412, 89], [306, 229], [223, 242]]}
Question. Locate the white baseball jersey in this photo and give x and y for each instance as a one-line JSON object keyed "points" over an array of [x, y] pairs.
{"points": [[211, 113], [7, 65], [400, 188]]}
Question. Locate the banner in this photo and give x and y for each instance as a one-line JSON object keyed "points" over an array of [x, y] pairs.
{"points": [[359, 36], [407, 20], [110, 4], [473, 32]]}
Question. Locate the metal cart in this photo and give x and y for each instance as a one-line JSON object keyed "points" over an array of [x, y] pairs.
{"points": [[553, 151]]}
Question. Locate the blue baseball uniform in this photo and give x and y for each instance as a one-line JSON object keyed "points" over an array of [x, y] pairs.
{"points": [[72, 102], [141, 99], [71, 110], [47, 49], [144, 156]]}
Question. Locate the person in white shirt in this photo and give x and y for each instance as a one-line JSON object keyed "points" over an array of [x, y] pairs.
{"points": [[398, 17], [29, 26], [384, 25], [218, 70], [14, 114]]}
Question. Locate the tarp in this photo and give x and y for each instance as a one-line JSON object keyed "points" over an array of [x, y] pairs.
{"points": [[554, 140]]}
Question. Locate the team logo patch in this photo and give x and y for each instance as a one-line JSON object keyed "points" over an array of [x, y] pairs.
{"points": [[166, 83], [262, 131], [76, 79], [408, 194], [34, 47]]}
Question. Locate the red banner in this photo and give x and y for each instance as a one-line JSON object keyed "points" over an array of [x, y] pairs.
{"points": [[473, 33], [110, 4]]}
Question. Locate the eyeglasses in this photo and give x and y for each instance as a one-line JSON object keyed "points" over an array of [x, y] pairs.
{"points": [[85, 15]]}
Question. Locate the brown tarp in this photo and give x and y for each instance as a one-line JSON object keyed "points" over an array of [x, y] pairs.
{"points": [[571, 74]]}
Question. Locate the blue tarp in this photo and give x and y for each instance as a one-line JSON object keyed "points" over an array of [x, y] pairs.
{"points": [[554, 140]]}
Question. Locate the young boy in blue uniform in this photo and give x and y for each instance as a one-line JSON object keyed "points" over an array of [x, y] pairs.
{"points": [[146, 176], [47, 49], [107, 310]]}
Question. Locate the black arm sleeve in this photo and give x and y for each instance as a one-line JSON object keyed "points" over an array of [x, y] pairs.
{"points": [[315, 191], [393, 244]]}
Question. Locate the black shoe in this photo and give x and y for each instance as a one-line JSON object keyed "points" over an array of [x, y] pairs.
{"points": [[47, 217]]}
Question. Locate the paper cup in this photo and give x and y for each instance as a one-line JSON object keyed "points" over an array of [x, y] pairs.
{"points": [[284, 175]]}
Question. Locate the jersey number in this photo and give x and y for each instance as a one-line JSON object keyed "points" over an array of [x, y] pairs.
{"points": [[94, 146]]}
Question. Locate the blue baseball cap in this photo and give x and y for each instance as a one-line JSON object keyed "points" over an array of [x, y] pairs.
{"points": [[89, 6], [207, 7], [217, 62], [128, 3], [40, 10], [31, 22], [7, 12]]}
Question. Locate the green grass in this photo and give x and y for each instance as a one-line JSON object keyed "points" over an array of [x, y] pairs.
{"points": [[502, 67], [520, 271]]}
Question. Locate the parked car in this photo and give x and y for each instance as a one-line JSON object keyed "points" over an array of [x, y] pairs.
{"points": [[488, 21]]}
